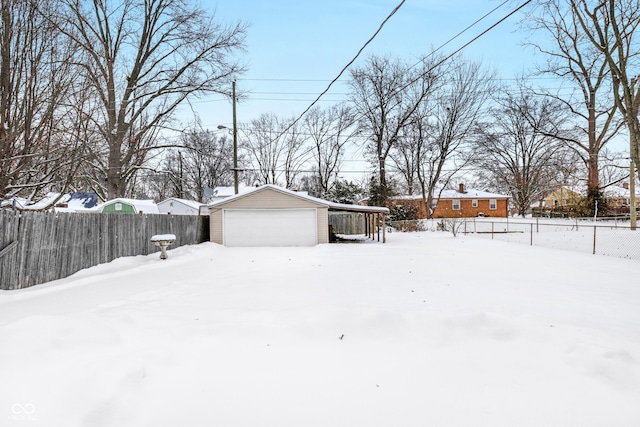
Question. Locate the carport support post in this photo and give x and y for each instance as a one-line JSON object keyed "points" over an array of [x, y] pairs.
{"points": [[384, 230], [373, 227], [366, 224]]}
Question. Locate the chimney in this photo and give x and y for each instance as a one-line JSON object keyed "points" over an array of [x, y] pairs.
{"points": [[461, 188], [625, 185]]}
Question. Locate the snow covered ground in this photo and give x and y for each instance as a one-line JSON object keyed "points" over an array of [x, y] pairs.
{"points": [[425, 330]]}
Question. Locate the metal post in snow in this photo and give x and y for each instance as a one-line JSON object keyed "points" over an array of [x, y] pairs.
{"points": [[594, 239], [531, 237], [492, 230]]}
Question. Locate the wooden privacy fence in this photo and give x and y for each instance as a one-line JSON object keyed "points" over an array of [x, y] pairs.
{"points": [[347, 222], [37, 247]]}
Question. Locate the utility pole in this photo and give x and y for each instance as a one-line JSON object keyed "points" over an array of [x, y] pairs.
{"points": [[633, 152], [632, 194], [235, 140]]}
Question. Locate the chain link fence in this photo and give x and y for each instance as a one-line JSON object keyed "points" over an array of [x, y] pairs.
{"points": [[606, 236], [611, 237]]}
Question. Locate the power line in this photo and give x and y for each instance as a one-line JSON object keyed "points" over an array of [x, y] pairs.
{"points": [[299, 117], [455, 52], [393, 12], [465, 30]]}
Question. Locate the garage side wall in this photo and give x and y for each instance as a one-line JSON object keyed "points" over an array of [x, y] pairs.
{"points": [[269, 199]]}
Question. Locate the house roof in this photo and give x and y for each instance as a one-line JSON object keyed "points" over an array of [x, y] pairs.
{"points": [[78, 201], [230, 191], [146, 206], [470, 193], [614, 191], [301, 195], [190, 203]]}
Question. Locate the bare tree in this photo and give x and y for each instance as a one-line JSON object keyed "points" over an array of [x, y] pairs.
{"points": [[574, 59], [329, 130], [36, 77], [434, 144], [516, 151], [385, 93], [205, 161], [275, 147], [610, 26], [612, 172], [144, 59]]}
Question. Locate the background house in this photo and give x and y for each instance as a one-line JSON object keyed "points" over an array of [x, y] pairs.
{"points": [[561, 197], [469, 203], [562, 201], [175, 206], [77, 202], [122, 205], [619, 198], [460, 203]]}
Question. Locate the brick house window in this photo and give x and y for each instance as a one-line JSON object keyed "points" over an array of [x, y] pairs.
{"points": [[493, 204], [474, 203], [455, 205]]}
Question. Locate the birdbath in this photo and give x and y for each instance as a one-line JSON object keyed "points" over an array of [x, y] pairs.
{"points": [[163, 240]]}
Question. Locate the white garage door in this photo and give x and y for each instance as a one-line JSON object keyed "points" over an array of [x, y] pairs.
{"points": [[266, 227]]}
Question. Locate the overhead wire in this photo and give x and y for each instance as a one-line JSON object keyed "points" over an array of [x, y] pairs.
{"points": [[410, 82], [442, 61], [393, 12]]}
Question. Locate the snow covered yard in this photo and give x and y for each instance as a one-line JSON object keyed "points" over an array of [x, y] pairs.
{"points": [[426, 330]]}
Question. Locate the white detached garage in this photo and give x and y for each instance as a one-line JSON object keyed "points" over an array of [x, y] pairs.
{"points": [[270, 216]]}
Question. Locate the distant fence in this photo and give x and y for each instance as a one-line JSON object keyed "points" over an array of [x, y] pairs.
{"points": [[37, 247], [606, 236], [611, 237]]}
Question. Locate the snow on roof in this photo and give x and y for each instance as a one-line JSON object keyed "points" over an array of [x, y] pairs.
{"points": [[16, 202], [145, 206], [614, 191], [302, 195], [470, 193], [230, 191], [79, 201], [47, 201], [191, 203], [82, 200]]}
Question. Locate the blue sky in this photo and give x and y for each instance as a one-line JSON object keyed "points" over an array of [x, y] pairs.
{"points": [[295, 47]]}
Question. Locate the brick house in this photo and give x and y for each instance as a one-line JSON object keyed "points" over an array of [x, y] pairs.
{"points": [[619, 198], [460, 203]]}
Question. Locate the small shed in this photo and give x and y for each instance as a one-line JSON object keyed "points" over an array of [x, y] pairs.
{"points": [[274, 216], [121, 205], [175, 206]]}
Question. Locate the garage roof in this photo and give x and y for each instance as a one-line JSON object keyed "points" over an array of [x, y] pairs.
{"points": [[330, 205]]}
